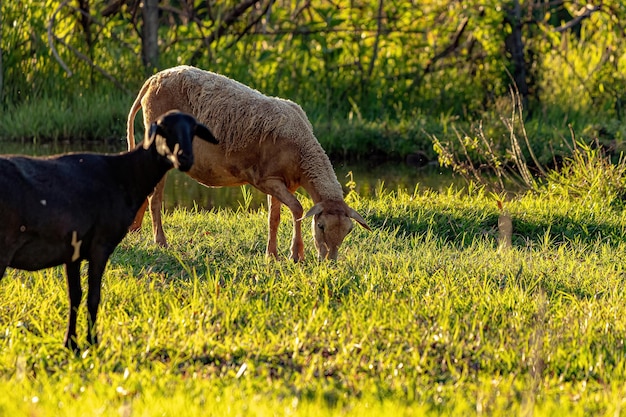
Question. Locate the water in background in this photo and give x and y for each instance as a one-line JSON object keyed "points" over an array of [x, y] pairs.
{"points": [[182, 191]]}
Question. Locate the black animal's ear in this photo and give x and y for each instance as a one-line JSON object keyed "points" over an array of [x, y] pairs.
{"points": [[150, 136], [155, 129], [204, 133]]}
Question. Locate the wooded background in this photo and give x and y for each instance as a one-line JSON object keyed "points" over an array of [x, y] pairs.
{"points": [[372, 59]]}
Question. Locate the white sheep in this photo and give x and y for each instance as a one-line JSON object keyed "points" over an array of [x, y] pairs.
{"points": [[267, 142]]}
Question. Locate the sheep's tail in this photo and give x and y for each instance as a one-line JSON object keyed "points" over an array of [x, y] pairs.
{"points": [[130, 123]]}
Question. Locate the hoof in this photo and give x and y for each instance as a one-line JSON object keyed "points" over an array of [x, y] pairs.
{"points": [[71, 345]]}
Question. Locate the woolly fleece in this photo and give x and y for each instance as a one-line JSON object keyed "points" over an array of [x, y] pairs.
{"points": [[241, 116]]}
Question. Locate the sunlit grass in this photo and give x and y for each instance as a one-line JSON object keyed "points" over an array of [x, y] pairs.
{"points": [[424, 315]]}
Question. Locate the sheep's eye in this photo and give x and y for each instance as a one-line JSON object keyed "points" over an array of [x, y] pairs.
{"points": [[321, 226]]}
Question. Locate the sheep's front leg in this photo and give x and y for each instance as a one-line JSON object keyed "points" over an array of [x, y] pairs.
{"points": [[6, 253], [273, 220], [96, 269], [297, 245], [156, 202], [75, 293], [277, 189]]}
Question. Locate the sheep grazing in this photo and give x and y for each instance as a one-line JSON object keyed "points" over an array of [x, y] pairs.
{"points": [[267, 142], [69, 208]]}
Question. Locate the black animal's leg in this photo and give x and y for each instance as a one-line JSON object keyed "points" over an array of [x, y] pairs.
{"points": [[97, 264], [6, 255], [75, 294]]}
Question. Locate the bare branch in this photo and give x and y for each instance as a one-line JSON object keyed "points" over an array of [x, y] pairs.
{"points": [[379, 30], [229, 19], [250, 26], [93, 65], [582, 14], [454, 44], [51, 37], [112, 7]]}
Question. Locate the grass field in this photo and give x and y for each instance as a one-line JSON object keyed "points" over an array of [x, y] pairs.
{"points": [[426, 315]]}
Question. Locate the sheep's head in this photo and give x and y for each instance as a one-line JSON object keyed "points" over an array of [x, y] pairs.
{"points": [[332, 221], [173, 133]]}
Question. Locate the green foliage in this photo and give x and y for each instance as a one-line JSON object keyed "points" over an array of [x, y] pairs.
{"points": [[590, 176], [503, 157], [585, 70], [381, 63]]}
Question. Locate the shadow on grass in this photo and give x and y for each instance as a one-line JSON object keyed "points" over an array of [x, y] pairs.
{"points": [[464, 227]]}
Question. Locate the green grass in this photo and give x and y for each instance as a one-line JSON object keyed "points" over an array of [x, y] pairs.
{"points": [[98, 117], [425, 315], [95, 115]]}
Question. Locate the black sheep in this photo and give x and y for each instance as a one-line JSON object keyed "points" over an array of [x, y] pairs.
{"points": [[69, 208]]}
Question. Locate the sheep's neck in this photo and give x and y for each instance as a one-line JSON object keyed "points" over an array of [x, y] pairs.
{"points": [[323, 191], [317, 173]]}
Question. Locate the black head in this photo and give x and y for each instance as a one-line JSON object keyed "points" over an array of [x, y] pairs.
{"points": [[172, 135]]}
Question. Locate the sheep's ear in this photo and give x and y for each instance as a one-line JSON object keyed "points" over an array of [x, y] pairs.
{"points": [[204, 133], [316, 209], [359, 219]]}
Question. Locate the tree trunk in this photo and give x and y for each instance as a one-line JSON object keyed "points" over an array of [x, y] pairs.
{"points": [[515, 44], [1, 67], [85, 23], [150, 35]]}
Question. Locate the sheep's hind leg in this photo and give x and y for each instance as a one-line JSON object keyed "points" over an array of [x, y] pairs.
{"points": [[75, 293], [156, 201], [136, 225]]}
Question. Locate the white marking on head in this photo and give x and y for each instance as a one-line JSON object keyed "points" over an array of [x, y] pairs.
{"points": [[173, 156], [76, 244], [43, 202]]}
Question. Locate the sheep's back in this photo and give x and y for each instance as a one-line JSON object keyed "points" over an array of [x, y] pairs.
{"points": [[238, 115], [45, 189]]}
